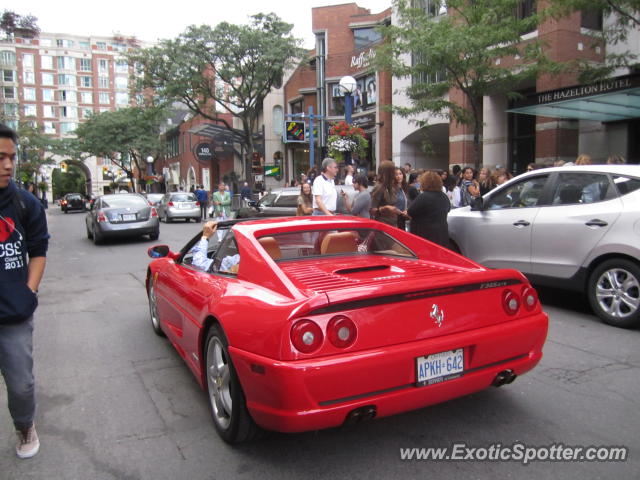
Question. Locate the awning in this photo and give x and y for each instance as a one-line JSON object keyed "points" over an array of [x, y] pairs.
{"points": [[606, 101], [224, 137]]}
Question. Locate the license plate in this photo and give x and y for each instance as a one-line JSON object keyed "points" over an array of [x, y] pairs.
{"points": [[439, 367], [128, 217], [184, 206]]}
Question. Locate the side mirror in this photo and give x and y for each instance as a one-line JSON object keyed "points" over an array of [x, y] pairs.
{"points": [[159, 251], [477, 204]]}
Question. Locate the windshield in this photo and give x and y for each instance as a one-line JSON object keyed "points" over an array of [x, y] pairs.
{"points": [[296, 245], [124, 201]]}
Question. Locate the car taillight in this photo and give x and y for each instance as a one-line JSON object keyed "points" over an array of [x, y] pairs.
{"points": [[529, 298], [510, 302], [154, 212], [341, 331], [170, 204], [101, 217], [306, 336], [197, 204], [64, 202]]}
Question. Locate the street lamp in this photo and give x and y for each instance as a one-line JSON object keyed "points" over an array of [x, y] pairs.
{"points": [[348, 85]]}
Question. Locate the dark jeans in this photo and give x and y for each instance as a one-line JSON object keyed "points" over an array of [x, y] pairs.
{"points": [[16, 364], [204, 206]]}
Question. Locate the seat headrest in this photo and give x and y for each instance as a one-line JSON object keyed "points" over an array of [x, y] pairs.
{"points": [[340, 242], [271, 246]]}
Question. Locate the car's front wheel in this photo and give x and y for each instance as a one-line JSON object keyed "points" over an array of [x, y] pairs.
{"points": [[614, 292], [228, 407], [153, 310]]}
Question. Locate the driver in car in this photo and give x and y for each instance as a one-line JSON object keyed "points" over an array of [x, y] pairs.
{"points": [[199, 251]]}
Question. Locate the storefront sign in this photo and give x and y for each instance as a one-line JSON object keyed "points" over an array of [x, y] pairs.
{"points": [[204, 152], [363, 59], [605, 86]]}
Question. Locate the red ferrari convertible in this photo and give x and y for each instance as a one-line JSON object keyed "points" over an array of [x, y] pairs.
{"points": [[306, 323]]}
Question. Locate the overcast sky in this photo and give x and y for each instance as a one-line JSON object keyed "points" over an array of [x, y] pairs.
{"points": [[151, 20]]}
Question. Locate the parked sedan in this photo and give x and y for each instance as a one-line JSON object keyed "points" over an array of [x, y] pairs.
{"points": [[283, 202], [179, 205], [574, 227], [300, 324], [123, 214], [73, 201]]}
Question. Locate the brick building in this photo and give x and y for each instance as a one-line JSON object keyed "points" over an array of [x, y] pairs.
{"points": [[558, 118], [345, 40]]}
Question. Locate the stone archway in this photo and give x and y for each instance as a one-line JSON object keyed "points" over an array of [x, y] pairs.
{"points": [[87, 175]]}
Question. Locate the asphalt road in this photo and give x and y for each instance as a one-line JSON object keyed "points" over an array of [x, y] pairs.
{"points": [[116, 401]]}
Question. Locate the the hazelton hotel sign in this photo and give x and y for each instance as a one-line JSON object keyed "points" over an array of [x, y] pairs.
{"points": [[614, 99]]}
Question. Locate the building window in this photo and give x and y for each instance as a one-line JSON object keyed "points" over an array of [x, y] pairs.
{"points": [[103, 66], [591, 19], [122, 66], [30, 111], [68, 96], [86, 81], [84, 45], [9, 75], [85, 64], [67, 127], [278, 120], [122, 82], [46, 62], [7, 57], [424, 76], [9, 92], [63, 42], [66, 63], [47, 95], [49, 128], [433, 7], [103, 82], [122, 98], [29, 94], [11, 109], [46, 42], [29, 77], [86, 97], [120, 47], [101, 45], [49, 111], [65, 79], [296, 107], [47, 79], [103, 98], [69, 112], [104, 109], [365, 37], [27, 60]]}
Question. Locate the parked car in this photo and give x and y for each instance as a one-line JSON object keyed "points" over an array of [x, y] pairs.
{"points": [[73, 201], [176, 205], [122, 214], [310, 323], [283, 202], [573, 227], [154, 199]]}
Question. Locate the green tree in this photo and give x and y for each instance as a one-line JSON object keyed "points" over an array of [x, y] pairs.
{"points": [[230, 68], [464, 49], [126, 136], [622, 17], [24, 26]]}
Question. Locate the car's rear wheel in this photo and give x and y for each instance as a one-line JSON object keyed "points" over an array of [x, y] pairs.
{"points": [[614, 292], [153, 310], [97, 237], [154, 235], [226, 399]]}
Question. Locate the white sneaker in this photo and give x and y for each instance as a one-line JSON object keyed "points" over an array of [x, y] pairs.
{"points": [[28, 443]]}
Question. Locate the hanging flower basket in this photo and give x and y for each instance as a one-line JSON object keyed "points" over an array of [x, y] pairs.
{"points": [[346, 138]]}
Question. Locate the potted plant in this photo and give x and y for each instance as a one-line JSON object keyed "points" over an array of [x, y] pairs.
{"points": [[345, 139]]}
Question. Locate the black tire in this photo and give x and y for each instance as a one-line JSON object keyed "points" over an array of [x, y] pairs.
{"points": [[153, 310], [98, 239], [614, 292], [154, 235], [226, 399]]}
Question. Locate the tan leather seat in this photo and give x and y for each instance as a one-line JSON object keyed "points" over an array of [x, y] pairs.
{"points": [[270, 244], [341, 242]]}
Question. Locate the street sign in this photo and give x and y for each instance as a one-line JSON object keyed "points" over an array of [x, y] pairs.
{"points": [[295, 132], [272, 171], [204, 152]]}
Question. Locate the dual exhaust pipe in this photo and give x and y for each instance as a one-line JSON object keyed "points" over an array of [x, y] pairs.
{"points": [[504, 378]]}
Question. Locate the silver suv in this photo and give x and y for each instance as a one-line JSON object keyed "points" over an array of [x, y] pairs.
{"points": [[571, 227]]}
